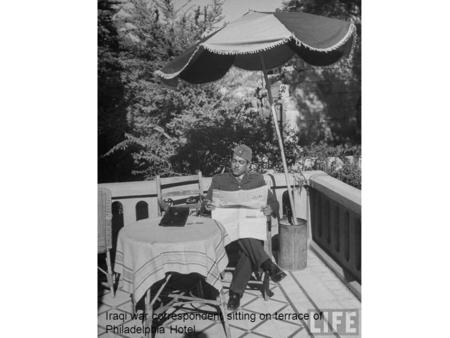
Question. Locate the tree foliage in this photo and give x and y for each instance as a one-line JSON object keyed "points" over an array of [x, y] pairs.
{"points": [[329, 98], [150, 33], [341, 162], [112, 124], [209, 137]]}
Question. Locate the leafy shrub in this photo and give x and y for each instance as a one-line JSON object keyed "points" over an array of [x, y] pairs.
{"points": [[341, 162]]}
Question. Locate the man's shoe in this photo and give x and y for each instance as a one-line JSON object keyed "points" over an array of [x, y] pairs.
{"points": [[275, 273], [234, 301]]}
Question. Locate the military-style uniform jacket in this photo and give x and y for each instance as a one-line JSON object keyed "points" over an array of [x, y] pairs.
{"points": [[251, 180]]}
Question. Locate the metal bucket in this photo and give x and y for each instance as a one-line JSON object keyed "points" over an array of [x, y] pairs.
{"points": [[293, 244]]}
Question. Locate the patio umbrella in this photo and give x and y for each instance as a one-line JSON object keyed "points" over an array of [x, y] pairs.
{"points": [[262, 41]]}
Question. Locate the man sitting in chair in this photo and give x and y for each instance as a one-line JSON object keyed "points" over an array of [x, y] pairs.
{"points": [[251, 254]]}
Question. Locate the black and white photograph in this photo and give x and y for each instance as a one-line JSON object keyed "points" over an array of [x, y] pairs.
{"points": [[229, 168], [193, 168]]}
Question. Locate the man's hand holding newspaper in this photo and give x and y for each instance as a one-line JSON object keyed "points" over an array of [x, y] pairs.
{"points": [[267, 210]]}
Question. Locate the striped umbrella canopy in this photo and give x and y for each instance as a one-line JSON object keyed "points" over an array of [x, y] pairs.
{"points": [[262, 41]]}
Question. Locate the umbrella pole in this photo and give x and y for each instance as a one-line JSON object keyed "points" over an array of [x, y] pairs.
{"points": [[280, 141]]}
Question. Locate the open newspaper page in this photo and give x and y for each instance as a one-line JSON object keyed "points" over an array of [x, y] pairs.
{"points": [[240, 212]]}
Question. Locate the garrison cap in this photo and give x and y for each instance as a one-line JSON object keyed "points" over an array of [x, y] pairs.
{"points": [[243, 151]]}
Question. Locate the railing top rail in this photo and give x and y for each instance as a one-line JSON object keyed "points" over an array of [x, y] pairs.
{"points": [[135, 188], [338, 191]]}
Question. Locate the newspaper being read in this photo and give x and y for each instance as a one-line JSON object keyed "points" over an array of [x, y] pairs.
{"points": [[240, 212]]}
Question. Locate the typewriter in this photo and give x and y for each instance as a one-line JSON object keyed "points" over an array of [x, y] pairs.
{"points": [[175, 217]]}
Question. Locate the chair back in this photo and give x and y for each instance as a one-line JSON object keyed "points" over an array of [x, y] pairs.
{"points": [[104, 220], [180, 191]]}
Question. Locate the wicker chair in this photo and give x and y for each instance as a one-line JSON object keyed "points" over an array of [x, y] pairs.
{"points": [[105, 234]]}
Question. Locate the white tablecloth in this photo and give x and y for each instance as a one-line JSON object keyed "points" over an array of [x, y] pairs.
{"points": [[146, 252]]}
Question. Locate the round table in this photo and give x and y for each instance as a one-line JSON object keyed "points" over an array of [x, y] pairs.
{"points": [[146, 252]]}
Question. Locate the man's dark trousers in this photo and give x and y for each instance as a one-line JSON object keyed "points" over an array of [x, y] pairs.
{"points": [[251, 256]]}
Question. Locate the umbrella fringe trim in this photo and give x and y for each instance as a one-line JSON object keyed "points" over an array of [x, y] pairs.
{"points": [[169, 76], [236, 52], [344, 40]]}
